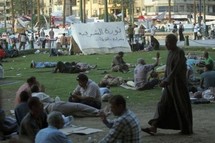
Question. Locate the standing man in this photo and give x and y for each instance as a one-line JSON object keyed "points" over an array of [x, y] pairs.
{"points": [[174, 108], [23, 40], [131, 34], [124, 129], [153, 29], [87, 92], [141, 73], [51, 37], [51, 134], [63, 40], [195, 30], [43, 38], [180, 32]]}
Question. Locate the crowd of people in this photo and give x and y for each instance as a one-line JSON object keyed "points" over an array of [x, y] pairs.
{"points": [[39, 116]]}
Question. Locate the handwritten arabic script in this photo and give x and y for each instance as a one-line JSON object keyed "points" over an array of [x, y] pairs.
{"points": [[101, 32]]}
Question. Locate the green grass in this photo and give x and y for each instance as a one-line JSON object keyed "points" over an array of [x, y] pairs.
{"points": [[58, 84]]}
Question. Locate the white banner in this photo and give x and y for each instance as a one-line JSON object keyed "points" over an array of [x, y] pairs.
{"points": [[101, 37]]}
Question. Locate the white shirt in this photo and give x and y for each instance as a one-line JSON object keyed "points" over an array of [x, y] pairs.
{"points": [[136, 31], [196, 27]]}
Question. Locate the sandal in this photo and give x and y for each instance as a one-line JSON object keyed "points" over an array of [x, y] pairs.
{"points": [[148, 131]]}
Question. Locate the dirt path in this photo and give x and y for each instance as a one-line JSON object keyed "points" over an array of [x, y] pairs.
{"points": [[203, 124]]}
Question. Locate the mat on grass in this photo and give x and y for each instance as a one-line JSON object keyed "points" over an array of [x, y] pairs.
{"points": [[129, 85]]}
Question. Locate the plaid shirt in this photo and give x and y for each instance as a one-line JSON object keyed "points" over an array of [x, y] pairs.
{"points": [[124, 129]]}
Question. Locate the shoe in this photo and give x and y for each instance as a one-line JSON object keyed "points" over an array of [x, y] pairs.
{"points": [[148, 131], [93, 67]]}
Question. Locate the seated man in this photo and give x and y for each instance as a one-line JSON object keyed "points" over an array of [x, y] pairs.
{"points": [[118, 64], [126, 128], [87, 92], [22, 108], [27, 87], [207, 61], [207, 78], [51, 134], [34, 121], [141, 73], [66, 108]]}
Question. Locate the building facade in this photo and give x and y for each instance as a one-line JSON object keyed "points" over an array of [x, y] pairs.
{"points": [[183, 7], [94, 8]]}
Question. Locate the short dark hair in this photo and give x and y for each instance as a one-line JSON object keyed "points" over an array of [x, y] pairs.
{"points": [[209, 67], [24, 96], [121, 53], [118, 100], [33, 101], [172, 38], [35, 88], [82, 77], [31, 80]]}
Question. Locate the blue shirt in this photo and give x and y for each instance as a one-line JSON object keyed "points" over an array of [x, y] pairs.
{"points": [[51, 135]]}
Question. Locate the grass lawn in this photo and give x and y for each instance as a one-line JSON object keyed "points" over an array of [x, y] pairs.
{"points": [[58, 84]]}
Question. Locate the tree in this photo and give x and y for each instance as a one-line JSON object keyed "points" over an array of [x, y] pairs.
{"points": [[169, 5], [110, 16], [22, 7], [126, 5]]}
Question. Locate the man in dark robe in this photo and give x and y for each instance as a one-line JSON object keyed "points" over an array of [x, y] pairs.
{"points": [[174, 108]]}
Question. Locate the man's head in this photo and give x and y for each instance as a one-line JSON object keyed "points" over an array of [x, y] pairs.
{"points": [[117, 105], [171, 42], [24, 96], [35, 88], [208, 67], [206, 54], [32, 80], [35, 106], [141, 61], [55, 119], [121, 54], [82, 80]]}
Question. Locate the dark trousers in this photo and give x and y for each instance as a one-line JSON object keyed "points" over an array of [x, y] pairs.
{"points": [[43, 44], [88, 101], [150, 84]]}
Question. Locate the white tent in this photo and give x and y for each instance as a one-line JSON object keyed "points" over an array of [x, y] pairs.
{"points": [[100, 37]]}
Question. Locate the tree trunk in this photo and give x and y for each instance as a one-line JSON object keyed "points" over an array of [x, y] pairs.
{"points": [[169, 3]]}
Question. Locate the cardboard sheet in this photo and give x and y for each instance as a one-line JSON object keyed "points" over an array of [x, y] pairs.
{"points": [[79, 130]]}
